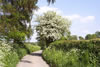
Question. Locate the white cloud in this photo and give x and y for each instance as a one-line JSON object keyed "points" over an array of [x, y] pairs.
{"points": [[86, 31], [77, 17], [73, 17], [44, 9]]}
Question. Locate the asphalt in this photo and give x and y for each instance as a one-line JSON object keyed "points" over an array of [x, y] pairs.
{"points": [[33, 60]]}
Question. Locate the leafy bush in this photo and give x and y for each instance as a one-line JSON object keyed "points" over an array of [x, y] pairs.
{"points": [[73, 53]]}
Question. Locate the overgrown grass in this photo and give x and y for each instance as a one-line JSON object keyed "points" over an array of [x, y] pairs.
{"points": [[73, 54], [10, 54]]}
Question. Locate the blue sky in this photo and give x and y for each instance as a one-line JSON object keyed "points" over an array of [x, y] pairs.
{"points": [[84, 14]]}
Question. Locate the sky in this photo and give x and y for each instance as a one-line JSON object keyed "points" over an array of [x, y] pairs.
{"points": [[84, 15]]}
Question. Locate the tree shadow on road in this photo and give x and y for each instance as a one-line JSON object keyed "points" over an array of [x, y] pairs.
{"points": [[36, 54], [26, 61]]}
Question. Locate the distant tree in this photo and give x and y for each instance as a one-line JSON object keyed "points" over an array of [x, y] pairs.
{"points": [[51, 27], [81, 38], [94, 36], [73, 37], [90, 36], [97, 34]]}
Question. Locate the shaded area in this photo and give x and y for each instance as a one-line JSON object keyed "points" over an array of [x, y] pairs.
{"points": [[26, 61], [36, 54]]}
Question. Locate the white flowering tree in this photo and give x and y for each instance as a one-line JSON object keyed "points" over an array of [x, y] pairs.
{"points": [[51, 27]]}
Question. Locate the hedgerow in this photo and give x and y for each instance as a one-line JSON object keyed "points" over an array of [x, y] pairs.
{"points": [[73, 53]]}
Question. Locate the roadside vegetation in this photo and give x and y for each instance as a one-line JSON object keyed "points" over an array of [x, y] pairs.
{"points": [[11, 53], [65, 53]]}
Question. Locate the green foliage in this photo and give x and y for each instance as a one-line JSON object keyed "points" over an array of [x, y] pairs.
{"points": [[64, 53], [43, 44], [81, 38], [63, 38], [71, 58], [21, 52], [18, 36], [97, 34], [80, 44], [16, 16], [10, 54], [54, 58], [73, 37], [32, 48], [90, 36], [10, 59]]}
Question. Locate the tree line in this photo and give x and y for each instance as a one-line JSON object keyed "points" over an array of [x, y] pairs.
{"points": [[87, 37]]}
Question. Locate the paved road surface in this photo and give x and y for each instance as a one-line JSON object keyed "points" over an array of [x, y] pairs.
{"points": [[33, 60]]}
